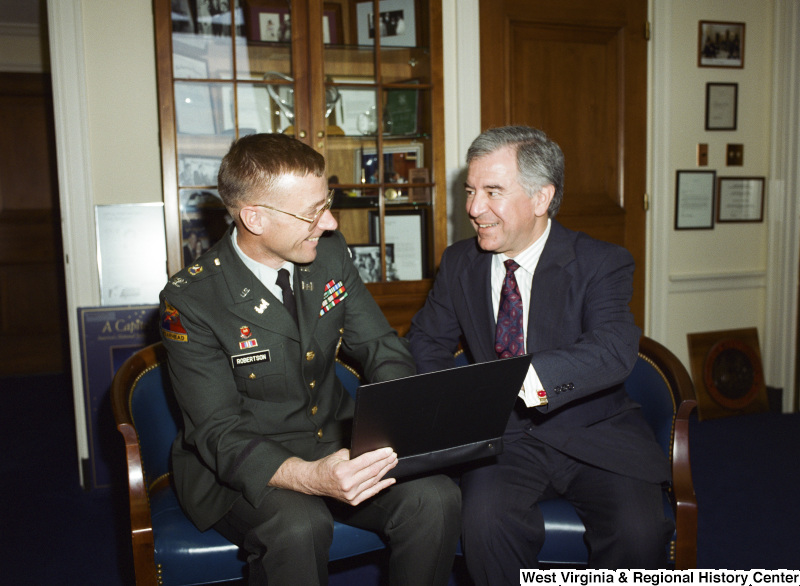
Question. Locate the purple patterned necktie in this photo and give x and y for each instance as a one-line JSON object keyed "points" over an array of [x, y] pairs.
{"points": [[509, 339]]}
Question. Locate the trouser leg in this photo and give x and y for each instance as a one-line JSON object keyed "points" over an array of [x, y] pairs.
{"points": [[420, 519], [624, 519], [503, 526], [287, 538]]}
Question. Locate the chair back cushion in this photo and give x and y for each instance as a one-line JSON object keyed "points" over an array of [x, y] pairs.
{"points": [[155, 416], [648, 386]]}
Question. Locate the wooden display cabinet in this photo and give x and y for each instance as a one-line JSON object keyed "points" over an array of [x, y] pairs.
{"points": [[366, 92]]}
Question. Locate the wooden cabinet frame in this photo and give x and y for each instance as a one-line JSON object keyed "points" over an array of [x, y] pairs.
{"points": [[398, 299]]}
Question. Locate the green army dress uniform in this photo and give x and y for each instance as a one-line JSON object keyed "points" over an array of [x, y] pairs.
{"points": [[256, 388]]}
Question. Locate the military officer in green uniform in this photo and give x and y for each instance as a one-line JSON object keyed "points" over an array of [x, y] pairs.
{"points": [[252, 330]]}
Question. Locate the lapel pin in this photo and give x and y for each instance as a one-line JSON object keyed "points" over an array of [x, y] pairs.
{"points": [[262, 307]]}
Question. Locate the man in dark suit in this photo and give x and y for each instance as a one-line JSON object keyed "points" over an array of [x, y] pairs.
{"points": [[526, 284], [252, 330]]}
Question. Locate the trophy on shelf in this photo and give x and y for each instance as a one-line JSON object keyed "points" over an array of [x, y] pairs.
{"points": [[283, 96]]}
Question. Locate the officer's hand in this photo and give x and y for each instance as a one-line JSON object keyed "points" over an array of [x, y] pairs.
{"points": [[337, 476], [354, 481]]}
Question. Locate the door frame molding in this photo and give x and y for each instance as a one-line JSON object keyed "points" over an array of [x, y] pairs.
{"points": [[780, 340], [76, 198]]}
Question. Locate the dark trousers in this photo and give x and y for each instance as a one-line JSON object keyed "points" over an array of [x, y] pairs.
{"points": [[503, 525], [287, 537]]}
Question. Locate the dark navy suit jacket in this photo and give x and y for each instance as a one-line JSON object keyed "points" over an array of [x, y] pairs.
{"points": [[583, 341]]}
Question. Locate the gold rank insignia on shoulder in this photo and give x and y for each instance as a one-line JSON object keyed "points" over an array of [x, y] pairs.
{"points": [[195, 270], [216, 261], [178, 281]]}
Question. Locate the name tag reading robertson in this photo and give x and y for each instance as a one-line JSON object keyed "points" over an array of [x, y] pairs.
{"points": [[251, 358]]}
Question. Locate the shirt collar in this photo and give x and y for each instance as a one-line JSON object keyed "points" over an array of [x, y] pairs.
{"points": [[267, 275], [528, 258]]}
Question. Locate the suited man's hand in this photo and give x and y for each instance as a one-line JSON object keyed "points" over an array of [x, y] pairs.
{"points": [[337, 476]]}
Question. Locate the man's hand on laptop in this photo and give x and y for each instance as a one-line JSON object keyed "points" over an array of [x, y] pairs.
{"points": [[337, 476]]}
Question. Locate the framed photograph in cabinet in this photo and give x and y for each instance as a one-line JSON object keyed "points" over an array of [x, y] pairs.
{"points": [[367, 258], [198, 170], [419, 194], [396, 23], [406, 232], [720, 44], [694, 200], [740, 199], [721, 106], [268, 21], [332, 25], [204, 220], [398, 161], [401, 111]]}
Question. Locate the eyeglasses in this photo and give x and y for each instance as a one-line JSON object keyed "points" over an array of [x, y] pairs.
{"points": [[314, 220]]}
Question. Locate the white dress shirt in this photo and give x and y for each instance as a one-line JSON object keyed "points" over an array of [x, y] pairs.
{"points": [[527, 261], [267, 275]]}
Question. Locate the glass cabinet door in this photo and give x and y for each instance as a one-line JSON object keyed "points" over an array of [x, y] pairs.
{"points": [[358, 80], [376, 74]]}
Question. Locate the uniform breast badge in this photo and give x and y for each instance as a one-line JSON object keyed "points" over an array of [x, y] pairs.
{"points": [[333, 295]]}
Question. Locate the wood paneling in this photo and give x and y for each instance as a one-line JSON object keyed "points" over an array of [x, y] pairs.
{"points": [[577, 69], [32, 298]]}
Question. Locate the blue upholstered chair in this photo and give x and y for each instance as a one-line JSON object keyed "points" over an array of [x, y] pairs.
{"points": [[167, 548], [661, 385]]}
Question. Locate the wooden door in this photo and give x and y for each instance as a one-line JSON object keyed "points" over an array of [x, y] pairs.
{"points": [[577, 69], [33, 320]]}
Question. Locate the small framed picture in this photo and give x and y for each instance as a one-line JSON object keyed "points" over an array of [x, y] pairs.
{"points": [[419, 194], [398, 161], [198, 170], [404, 231], [721, 106], [269, 21], [332, 32], [395, 24], [367, 258], [694, 200], [740, 199], [720, 44]]}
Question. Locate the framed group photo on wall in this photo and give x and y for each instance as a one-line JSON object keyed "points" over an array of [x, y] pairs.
{"points": [[694, 200], [720, 44], [740, 199]]}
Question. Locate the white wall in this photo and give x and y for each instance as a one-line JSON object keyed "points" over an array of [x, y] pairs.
{"points": [[715, 279], [122, 104]]}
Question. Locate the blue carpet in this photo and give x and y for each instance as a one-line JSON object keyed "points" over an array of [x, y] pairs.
{"points": [[54, 532], [746, 479]]}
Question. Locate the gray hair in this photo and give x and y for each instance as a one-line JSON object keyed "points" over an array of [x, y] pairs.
{"points": [[540, 161]]}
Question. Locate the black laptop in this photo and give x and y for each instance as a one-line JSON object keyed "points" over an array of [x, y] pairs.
{"points": [[441, 418]]}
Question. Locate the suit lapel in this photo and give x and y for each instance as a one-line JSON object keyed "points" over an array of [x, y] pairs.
{"points": [[476, 287], [548, 290]]}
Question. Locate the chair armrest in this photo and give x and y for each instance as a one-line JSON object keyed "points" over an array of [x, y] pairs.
{"points": [[141, 525], [685, 500]]}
